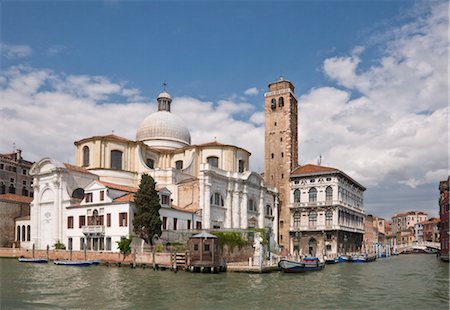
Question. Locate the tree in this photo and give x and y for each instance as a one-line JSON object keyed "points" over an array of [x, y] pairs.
{"points": [[124, 246], [147, 222]]}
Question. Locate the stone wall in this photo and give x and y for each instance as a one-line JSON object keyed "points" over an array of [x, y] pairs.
{"points": [[9, 211]]}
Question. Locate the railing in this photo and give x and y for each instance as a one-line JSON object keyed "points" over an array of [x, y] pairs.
{"points": [[94, 229]]}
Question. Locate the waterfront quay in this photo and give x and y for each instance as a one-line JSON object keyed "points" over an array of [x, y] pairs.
{"points": [[415, 281]]}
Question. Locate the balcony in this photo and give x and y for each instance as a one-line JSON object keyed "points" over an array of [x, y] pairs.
{"points": [[94, 230]]}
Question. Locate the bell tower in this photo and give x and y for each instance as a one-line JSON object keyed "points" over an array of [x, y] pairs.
{"points": [[281, 147]]}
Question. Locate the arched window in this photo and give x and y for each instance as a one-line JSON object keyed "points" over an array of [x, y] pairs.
{"points": [[150, 163], [281, 102], [24, 191], [217, 200], [85, 156], [297, 195], [241, 165], [273, 104], [179, 164], [312, 218], [23, 233], [116, 160], [18, 233], [312, 194], [3, 189], [297, 217], [12, 189], [28, 233], [329, 194], [213, 161], [268, 210]]}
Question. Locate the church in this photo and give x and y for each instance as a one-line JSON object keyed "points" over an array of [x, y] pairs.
{"points": [[308, 210], [204, 186]]}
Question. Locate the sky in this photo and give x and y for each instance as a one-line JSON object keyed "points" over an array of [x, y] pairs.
{"points": [[371, 78]]}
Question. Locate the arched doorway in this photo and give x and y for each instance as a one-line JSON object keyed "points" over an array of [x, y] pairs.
{"points": [[312, 247]]}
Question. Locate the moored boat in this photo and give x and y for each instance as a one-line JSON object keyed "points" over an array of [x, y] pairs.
{"points": [[33, 260], [362, 258], [306, 264], [330, 261], [76, 262], [343, 258]]}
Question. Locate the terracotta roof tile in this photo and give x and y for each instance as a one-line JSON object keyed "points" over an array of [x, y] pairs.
{"points": [[76, 168], [120, 187], [309, 168], [125, 198], [16, 198]]}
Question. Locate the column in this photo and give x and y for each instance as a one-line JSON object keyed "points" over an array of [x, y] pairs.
{"points": [[244, 221], [262, 209], [236, 207], [207, 206], [228, 206]]}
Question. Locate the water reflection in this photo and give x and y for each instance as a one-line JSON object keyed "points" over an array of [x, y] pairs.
{"points": [[414, 281]]}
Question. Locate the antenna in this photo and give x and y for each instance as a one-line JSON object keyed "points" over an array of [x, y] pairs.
{"points": [[164, 85], [319, 161]]}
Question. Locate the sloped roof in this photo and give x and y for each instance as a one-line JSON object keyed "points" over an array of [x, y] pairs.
{"points": [[119, 187], [310, 169], [110, 137], [204, 235], [76, 168], [125, 198], [16, 198]]}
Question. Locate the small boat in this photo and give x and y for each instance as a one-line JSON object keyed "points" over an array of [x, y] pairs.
{"points": [[306, 264], [330, 261], [362, 258], [76, 262], [343, 258], [33, 260]]}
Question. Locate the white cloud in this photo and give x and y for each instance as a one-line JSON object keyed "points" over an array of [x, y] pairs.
{"points": [[11, 51], [253, 91], [55, 50], [395, 132]]}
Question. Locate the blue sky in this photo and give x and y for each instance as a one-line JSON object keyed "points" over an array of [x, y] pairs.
{"points": [[371, 77]]}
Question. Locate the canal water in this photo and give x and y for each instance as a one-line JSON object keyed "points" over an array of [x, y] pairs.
{"points": [[401, 282]]}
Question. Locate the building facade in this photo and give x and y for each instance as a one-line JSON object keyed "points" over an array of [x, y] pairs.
{"points": [[431, 230], [444, 217], [281, 147], [326, 212], [210, 185], [14, 175], [403, 225], [12, 207]]}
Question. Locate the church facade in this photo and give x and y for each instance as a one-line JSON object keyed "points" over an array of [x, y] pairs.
{"points": [[205, 186]]}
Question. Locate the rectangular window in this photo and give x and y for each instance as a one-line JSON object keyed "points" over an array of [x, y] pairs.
{"points": [[2, 166], [88, 197], [24, 171], [14, 169], [165, 200], [189, 224], [175, 224], [101, 245], [70, 244], [198, 225], [81, 221], [70, 222], [81, 244], [195, 247], [206, 247], [179, 164], [11, 180], [241, 166], [102, 195], [24, 182], [164, 223], [108, 244], [123, 219], [108, 220]]}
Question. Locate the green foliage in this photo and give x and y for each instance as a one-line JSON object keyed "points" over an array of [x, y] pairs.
{"points": [[231, 239], [147, 222], [159, 248], [124, 246], [263, 233], [59, 246]]}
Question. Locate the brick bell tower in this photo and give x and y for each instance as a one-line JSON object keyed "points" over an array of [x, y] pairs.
{"points": [[281, 147]]}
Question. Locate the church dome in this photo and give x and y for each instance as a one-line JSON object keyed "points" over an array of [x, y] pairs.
{"points": [[163, 129]]}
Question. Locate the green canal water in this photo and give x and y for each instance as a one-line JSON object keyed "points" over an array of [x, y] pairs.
{"points": [[401, 282]]}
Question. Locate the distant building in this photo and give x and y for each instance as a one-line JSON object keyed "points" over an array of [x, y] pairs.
{"points": [[327, 216], [370, 233], [418, 231], [403, 225], [12, 207], [431, 230], [14, 175], [444, 215]]}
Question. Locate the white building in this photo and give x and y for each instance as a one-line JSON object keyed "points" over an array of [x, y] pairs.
{"points": [[326, 212], [206, 186]]}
